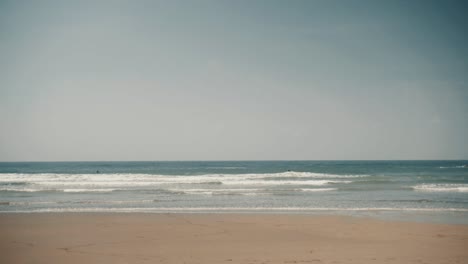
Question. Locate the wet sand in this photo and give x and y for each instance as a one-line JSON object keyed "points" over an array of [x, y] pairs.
{"points": [[225, 238]]}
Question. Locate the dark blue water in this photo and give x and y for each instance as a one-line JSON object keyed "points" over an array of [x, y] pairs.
{"points": [[454, 167], [429, 190]]}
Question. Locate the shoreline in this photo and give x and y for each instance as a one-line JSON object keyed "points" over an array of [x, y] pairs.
{"points": [[449, 217], [225, 238]]}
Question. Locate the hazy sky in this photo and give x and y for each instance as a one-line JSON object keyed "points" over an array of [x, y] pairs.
{"points": [[222, 80]]}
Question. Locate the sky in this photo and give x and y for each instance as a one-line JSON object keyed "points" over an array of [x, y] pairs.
{"points": [[233, 80]]}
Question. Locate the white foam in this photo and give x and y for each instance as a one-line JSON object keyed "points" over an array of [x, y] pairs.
{"points": [[214, 190], [88, 190], [41, 182], [17, 203], [251, 190], [16, 189], [454, 167], [284, 182], [442, 187], [18, 177], [318, 189]]}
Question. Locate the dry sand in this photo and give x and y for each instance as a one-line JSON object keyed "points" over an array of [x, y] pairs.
{"points": [[225, 238]]}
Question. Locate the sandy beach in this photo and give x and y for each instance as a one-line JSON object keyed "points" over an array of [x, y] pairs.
{"points": [[225, 238]]}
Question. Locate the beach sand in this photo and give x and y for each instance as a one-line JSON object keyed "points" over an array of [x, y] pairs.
{"points": [[225, 238]]}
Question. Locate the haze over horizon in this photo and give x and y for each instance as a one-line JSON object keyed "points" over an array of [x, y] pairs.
{"points": [[233, 80]]}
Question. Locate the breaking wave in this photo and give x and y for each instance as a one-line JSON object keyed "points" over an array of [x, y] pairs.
{"points": [[442, 187], [110, 182]]}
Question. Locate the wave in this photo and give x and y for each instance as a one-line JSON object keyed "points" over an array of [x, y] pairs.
{"points": [[13, 189], [29, 203], [27, 177], [442, 187], [216, 191], [248, 191], [317, 189], [454, 167], [283, 182], [56, 190], [410, 201], [88, 190], [71, 182]]}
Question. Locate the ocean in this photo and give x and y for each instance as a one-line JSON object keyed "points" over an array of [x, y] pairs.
{"points": [[434, 191]]}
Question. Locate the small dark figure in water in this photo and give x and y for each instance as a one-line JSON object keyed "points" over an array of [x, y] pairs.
{"points": [[97, 171]]}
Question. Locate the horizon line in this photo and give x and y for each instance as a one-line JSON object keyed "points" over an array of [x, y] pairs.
{"points": [[228, 160]]}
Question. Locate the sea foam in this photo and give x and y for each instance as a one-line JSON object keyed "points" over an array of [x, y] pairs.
{"points": [[442, 187]]}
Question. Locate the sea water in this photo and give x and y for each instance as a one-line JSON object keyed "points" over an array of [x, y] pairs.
{"points": [[406, 190]]}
